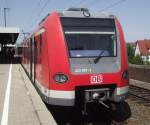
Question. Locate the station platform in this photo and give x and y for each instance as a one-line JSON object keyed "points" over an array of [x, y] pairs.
{"points": [[141, 84], [19, 102]]}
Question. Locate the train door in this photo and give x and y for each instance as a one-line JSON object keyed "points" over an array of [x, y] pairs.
{"points": [[37, 59], [45, 65], [32, 59], [28, 57]]}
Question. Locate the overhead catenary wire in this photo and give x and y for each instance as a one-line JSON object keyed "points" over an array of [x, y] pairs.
{"points": [[79, 3], [93, 2], [33, 12], [112, 5], [83, 3], [68, 6], [41, 10], [38, 15]]}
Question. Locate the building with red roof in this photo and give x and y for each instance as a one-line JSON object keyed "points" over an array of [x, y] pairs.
{"points": [[143, 49]]}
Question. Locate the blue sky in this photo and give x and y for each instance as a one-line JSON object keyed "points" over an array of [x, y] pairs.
{"points": [[134, 15]]}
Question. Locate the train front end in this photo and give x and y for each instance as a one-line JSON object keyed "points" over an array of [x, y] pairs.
{"points": [[94, 68]]}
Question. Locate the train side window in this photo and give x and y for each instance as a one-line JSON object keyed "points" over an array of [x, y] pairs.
{"points": [[40, 49], [40, 43], [36, 53]]}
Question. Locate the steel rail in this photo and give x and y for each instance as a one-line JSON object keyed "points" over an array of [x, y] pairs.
{"points": [[139, 92]]}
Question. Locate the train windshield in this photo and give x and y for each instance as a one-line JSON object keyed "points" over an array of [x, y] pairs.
{"points": [[90, 38], [90, 45]]}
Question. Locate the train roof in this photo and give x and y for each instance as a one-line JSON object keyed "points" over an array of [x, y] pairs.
{"points": [[84, 12], [80, 13], [77, 13]]}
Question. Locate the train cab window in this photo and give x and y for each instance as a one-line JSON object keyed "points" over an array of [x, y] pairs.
{"points": [[90, 45], [90, 37]]}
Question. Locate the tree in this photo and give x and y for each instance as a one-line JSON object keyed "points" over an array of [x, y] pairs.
{"points": [[138, 60], [130, 53]]}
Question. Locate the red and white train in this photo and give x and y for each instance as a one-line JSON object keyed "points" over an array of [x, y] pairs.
{"points": [[77, 57]]}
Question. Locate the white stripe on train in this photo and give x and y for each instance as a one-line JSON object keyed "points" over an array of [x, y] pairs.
{"points": [[71, 94]]}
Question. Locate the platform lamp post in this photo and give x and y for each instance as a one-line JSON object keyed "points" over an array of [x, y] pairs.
{"points": [[5, 20]]}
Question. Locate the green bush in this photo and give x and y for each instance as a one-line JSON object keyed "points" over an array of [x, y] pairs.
{"points": [[147, 63], [130, 53], [137, 60]]}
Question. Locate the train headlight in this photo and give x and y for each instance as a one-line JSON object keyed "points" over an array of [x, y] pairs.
{"points": [[125, 75], [60, 78]]}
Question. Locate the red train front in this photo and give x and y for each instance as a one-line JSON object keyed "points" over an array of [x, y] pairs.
{"points": [[77, 57]]}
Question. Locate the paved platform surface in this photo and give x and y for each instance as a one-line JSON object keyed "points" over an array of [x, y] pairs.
{"points": [[25, 106], [4, 72], [138, 83]]}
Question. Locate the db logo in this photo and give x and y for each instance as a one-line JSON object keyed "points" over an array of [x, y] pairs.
{"points": [[96, 79]]}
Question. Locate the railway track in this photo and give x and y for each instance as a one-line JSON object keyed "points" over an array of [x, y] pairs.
{"points": [[140, 93]]}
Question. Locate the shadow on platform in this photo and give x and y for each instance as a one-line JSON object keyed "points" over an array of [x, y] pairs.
{"points": [[8, 57], [97, 116]]}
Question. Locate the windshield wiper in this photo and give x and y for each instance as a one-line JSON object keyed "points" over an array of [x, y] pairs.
{"points": [[98, 57]]}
